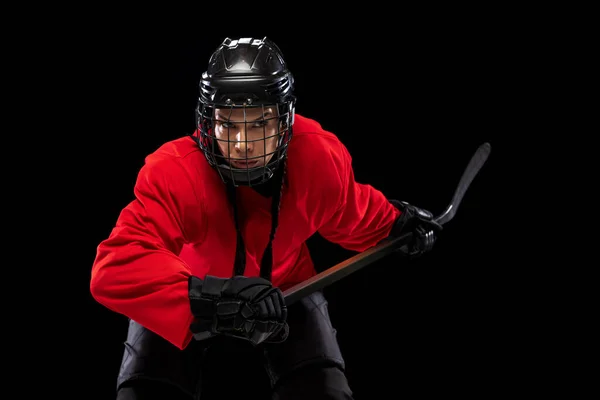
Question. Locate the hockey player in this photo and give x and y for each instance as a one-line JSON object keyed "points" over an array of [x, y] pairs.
{"points": [[218, 229]]}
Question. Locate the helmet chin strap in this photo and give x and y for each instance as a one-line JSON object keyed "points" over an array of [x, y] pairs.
{"points": [[250, 176]]}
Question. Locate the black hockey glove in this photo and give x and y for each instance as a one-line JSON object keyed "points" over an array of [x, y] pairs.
{"points": [[245, 308], [418, 221]]}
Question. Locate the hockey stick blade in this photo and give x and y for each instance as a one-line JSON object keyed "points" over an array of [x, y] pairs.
{"points": [[387, 246], [477, 160]]}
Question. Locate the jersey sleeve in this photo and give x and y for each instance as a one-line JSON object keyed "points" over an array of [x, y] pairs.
{"points": [[359, 216], [137, 271]]}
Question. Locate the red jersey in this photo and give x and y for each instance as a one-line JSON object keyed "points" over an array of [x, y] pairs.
{"points": [[181, 223]]}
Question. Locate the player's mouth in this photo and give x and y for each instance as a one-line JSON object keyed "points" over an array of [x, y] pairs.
{"points": [[244, 164]]}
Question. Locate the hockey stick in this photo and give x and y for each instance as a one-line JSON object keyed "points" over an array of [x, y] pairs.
{"points": [[387, 246]]}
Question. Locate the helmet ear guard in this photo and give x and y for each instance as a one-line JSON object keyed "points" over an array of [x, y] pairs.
{"points": [[245, 74]]}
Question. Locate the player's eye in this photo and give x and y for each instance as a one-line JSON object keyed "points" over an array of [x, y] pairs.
{"points": [[259, 124]]}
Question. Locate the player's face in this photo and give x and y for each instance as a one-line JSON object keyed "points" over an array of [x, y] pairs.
{"points": [[247, 137]]}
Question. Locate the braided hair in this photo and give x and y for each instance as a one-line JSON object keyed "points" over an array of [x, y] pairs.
{"points": [[266, 265]]}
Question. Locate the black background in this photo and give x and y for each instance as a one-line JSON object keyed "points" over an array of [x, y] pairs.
{"points": [[411, 106]]}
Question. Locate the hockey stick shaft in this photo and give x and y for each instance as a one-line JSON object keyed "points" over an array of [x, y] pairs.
{"points": [[344, 268], [387, 246]]}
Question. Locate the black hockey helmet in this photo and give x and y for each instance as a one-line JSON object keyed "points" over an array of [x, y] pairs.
{"points": [[243, 74]]}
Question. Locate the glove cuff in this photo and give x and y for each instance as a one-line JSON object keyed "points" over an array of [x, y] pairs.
{"points": [[203, 296], [397, 229]]}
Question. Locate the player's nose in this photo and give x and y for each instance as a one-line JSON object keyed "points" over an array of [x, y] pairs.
{"points": [[242, 144]]}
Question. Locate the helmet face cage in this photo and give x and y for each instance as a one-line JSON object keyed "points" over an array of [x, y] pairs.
{"points": [[244, 78], [212, 146]]}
